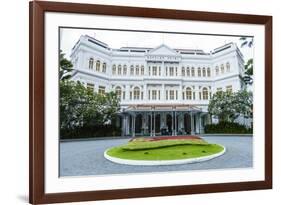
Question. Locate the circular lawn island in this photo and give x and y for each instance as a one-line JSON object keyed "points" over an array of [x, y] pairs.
{"points": [[164, 150]]}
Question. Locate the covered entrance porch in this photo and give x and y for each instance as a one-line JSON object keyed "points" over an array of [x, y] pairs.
{"points": [[155, 120]]}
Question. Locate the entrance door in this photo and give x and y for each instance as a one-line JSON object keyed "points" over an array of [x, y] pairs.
{"points": [[187, 123], [169, 123], [138, 123], [157, 124]]}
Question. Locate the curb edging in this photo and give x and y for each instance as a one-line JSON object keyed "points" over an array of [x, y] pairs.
{"points": [[161, 162]]}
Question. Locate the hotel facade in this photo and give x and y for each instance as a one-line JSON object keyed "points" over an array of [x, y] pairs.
{"points": [[162, 90]]}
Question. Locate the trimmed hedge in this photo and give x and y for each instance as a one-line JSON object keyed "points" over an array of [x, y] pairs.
{"points": [[228, 128], [88, 132]]}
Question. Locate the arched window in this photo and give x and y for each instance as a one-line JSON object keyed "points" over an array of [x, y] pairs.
{"points": [[205, 94], [208, 72], [119, 70], [142, 70], [124, 70], [104, 67], [114, 69], [222, 69], [98, 66], [199, 72], [91, 63], [217, 70], [183, 71], [204, 72], [137, 70], [136, 93], [132, 70], [188, 71], [188, 93], [192, 72], [118, 91], [227, 67]]}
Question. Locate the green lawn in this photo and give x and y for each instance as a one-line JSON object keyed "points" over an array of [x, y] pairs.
{"points": [[171, 152]]}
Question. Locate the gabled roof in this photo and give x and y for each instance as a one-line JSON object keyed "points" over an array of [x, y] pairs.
{"points": [[163, 50]]}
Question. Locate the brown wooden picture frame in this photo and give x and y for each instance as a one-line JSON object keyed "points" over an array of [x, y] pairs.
{"points": [[37, 10]]}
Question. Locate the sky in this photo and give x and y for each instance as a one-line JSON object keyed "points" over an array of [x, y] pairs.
{"points": [[117, 39]]}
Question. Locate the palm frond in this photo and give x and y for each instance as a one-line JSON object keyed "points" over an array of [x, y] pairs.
{"points": [[244, 43]]}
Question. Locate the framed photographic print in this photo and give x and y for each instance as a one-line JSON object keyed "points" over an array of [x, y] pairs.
{"points": [[132, 102]]}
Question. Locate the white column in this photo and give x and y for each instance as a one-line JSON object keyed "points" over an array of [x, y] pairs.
{"points": [[151, 124], [146, 123], [162, 120], [127, 92], [134, 126], [163, 69], [197, 123], [176, 124], [172, 123], [154, 124], [201, 128], [131, 127], [180, 92], [192, 123], [145, 92], [162, 93]]}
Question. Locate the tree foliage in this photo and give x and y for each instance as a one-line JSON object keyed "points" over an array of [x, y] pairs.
{"points": [[228, 106], [248, 41], [65, 67], [249, 67], [81, 107]]}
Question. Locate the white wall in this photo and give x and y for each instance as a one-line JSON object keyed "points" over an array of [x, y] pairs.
{"points": [[14, 101]]}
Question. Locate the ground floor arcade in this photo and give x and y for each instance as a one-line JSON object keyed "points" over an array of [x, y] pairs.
{"points": [[154, 120]]}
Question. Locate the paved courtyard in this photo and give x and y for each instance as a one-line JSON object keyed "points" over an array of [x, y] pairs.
{"points": [[78, 158]]}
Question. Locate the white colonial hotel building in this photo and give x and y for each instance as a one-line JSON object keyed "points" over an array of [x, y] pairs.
{"points": [[162, 90]]}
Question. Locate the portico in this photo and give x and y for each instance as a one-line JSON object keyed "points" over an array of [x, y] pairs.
{"points": [[153, 120]]}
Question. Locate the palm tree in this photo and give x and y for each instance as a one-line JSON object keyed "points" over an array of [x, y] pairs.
{"points": [[65, 67], [248, 41]]}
